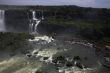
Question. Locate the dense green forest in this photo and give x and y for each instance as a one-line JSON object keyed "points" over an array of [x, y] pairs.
{"points": [[93, 23], [89, 23], [13, 41]]}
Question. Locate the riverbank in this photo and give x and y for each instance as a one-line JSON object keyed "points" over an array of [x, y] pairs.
{"points": [[102, 49], [100, 46], [58, 54]]}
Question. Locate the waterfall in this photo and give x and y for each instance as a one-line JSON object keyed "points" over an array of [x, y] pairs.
{"points": [[83, 68], [37, 23], [34, 15], [2, 18], [34, 22]]}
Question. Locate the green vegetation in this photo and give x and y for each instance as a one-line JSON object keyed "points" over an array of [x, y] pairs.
{"points": [[58, 58], [13, 41], [89, 23]]}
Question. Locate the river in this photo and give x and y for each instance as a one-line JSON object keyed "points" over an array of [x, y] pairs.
{"points": [[48, 54]]}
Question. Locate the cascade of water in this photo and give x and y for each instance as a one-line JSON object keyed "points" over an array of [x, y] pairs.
{"points": [[34, 15], [2, 17], [34, 22], [37, 22], [83, 68], [42, 16]]}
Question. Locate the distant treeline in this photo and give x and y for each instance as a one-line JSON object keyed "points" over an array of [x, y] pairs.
{"points": [[92, 23]]}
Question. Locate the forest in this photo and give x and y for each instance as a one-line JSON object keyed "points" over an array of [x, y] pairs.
{"points": [[91, 23], [88, 23]]}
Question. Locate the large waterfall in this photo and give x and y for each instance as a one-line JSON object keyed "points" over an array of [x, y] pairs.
{"points": [[2, 22], [34, 21]]}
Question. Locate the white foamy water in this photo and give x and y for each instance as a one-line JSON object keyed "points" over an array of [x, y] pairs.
{"points": [[37, 23], [25, 64], [43, 38], [34, 60], [34, 15]]}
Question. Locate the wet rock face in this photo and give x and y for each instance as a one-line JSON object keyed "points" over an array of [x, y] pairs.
{"points": [[28, 55], [54, 61], [69, 64], [38, 71], [35, 52], [45, 58], [58, 59], [77, 58], [61, 61], [79, 65]]}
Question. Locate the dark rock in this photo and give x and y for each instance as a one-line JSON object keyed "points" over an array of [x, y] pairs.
{"points": [[28, 55], [24, 52], [69, 64], [38, 71], [79, 65], [54, 61], [60, 59], [58, 48], [106, 66], [77, 58], [45, 58], [35, 52]]}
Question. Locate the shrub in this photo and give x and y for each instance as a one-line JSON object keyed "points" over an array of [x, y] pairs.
{"points": [[77, 58], [58, 58], [13, 40]]}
